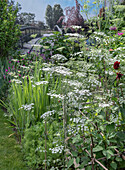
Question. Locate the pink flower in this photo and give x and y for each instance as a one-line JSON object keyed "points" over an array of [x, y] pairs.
{"points": [[6, 70], [113, 28], [23, 59], [9, 81], [9, 61], [4, 76], [20, 75], [18, 61], [120, 33], [111, 49]]}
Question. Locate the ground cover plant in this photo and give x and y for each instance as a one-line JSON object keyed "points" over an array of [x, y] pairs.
{"points": [[67, 103]]}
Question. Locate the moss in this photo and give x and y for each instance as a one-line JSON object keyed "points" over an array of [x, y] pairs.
{"points": [[11, 157]]}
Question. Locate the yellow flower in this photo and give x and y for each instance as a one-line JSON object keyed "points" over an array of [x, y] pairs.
{"points": [[94, 2], [96, 114], [85, 6]]}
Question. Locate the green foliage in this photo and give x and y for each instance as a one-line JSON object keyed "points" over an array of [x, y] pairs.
{"points": [[58, 44], [9, 31], [52, 15], [49, 16], [77, 105], [34, 146], [25, 18], [57, 13]]}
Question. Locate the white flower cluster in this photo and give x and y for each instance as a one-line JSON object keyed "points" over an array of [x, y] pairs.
{"points": [[46, 69], [47, 114], [105, 104], [57, 149], [59, 57], [41, 82], [73, 83], [81, 74], [56, 95], [78, 53], [74, 35], [27, 107], [24, 67], [16, 81], [83, 92], [62, 70], [77, 120], [120, 48], [100, 33], [76, 27]]}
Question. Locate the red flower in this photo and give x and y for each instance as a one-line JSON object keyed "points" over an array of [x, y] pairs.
{"points": [[119, 75], [116, 65]]}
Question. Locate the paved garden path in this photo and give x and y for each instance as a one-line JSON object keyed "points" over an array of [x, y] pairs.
{"points": [[11, 157], [33, 44], [28, 47]]}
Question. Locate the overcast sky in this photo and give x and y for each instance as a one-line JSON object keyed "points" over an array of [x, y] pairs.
{"points": [[38, 7]]}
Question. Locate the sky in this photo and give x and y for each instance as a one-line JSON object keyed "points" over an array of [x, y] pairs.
{"points": [[38, 7]]}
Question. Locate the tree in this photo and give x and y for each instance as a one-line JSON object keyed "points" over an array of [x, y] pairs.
{"points": [[41, 25], [9, 31], [25, 18], [73, 16], [49, 16], [57, 13]]}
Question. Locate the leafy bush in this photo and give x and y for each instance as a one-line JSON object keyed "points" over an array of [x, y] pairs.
{"points": [[9, 31]]}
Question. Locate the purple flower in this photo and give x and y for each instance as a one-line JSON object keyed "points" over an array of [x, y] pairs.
{"points": [[9, 81], [113, 28], [18, 61], [8, 68], [44, 57], [76, 42]]}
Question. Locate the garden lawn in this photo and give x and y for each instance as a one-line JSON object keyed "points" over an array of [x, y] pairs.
{"points": [[11, 157]]}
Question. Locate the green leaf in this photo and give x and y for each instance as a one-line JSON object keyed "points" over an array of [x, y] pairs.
{"points": [[97, 149], [100, 117], [110, 127], [77, 160], [74, 153], [84, 160], [105, 153], [110, 152], [112, 147], [118, 159], [76, 139], [121, 135], [46, 47], [70, 162], [113, 165]]}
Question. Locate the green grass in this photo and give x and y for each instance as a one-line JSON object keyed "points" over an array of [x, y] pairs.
{"points": [[11, 157]]}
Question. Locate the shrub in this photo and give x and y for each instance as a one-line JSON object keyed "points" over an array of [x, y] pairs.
{"points": [[9, 31]]}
